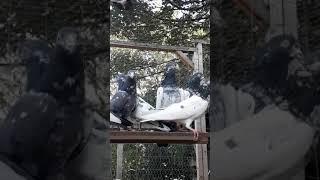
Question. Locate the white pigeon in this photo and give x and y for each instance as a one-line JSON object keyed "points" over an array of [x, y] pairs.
{"points": [[274, 139], [183, 113]]}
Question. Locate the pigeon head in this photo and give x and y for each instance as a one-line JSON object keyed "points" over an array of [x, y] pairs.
{"points": [[68, 39], [197, 85], [131, 74], [170, 74], [171, 68], [272, 64], [33, 50], [204, 89], [127, 82], [193, 85]]}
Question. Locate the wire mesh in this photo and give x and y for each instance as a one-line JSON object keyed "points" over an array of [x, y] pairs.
{"points": [[148, 161]]}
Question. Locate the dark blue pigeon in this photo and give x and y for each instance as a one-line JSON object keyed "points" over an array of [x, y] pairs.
{"points": [[25, 130], [64, 80], [194, 84], [123, 103], [54, 108], [281, 73], [36, 55]]}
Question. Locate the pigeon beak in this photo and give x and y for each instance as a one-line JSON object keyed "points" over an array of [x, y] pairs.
{"points": [[177, 66], [203, 81], [131, 74]]}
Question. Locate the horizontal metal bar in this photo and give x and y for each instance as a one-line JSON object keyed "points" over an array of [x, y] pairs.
{"points": [[122, 137]]}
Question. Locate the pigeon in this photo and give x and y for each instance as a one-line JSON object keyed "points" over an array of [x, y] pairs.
{"points": [[123, 103], [54, 108], [285, 79], [193, 85], [36, 55], [64, 80], [169, 92], [184, 112], [25, 129], [122, 4]]}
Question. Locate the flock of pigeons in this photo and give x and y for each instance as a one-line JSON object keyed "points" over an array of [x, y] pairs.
{"points": [[176, 108]]}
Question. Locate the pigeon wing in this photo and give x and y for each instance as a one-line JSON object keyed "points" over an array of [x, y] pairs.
{"points": [[28, 125], [179, 111], [114, 119], [118, 102]]}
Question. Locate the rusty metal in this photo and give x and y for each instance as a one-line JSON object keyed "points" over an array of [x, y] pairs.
{"points": [[122, 137]]}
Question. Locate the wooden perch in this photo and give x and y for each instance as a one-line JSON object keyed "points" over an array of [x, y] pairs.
{"points": [[185, 59], [150, 47], [157, 137]]}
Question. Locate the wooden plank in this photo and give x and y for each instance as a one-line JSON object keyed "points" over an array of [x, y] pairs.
{"points": [[206, 42], [283, 17], [291, 17], [156, 137], [200, 57], [150, 47], [204, 150], [184, 59], [119, 161], [200, 124]]}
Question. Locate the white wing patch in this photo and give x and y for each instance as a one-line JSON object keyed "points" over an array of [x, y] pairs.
{"points": [[114, 119], [159, 98]]}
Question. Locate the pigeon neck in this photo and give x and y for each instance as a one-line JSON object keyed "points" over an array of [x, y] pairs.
{"points": [[299, 102], [169, 81], [66, 57]]}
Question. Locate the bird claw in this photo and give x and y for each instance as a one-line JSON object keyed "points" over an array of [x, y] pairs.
{"points": [[195, 135]]}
